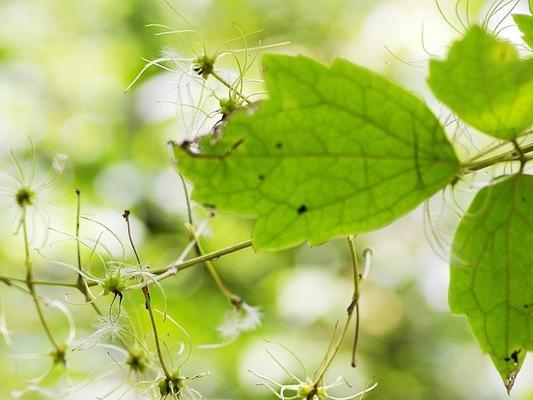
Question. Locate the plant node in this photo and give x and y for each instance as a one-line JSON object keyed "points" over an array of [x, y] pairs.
{"points": [[172, 385], [227, 106], [310, 391], [25, 197], [236, 301], [137, 360], [204, 66], [114, 284], [59, 355]]}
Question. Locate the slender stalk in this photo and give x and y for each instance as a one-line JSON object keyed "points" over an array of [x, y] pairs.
{"points": [[521, 155], [181, 265], [30, 283], [233, 298], [186, 195], [81, 282], [333, 354], [350, 311], [355, 297], [230, 87], [169, 270], [8, 279], [517, 154], [147, 301]]}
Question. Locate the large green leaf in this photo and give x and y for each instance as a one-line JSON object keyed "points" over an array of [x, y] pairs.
{"points": [[334, 151], [492, 272], [486, 84], [525, 24]]}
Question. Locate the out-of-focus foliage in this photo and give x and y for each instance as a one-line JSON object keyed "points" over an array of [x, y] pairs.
{"points": [[485, 82], [64, 68], [525, 23]]}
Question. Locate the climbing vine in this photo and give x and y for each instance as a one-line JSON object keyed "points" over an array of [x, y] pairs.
{"points": [[326, 153]]}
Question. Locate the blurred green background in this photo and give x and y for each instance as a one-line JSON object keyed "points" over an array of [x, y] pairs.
{"points": [[64, 68]]}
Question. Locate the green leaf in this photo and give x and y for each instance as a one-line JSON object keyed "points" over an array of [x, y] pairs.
{"points": [[486, 84], [492, 272], [335, 151], [525, 24]]}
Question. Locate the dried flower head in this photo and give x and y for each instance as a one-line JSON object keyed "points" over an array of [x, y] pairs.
{"points": [[23, 193], [242, 318], [309, 388]]}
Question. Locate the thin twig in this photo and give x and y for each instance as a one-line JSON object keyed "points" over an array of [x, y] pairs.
{"points": [[148, 300]]}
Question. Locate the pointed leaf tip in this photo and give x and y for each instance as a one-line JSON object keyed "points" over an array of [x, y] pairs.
{"points": [[492, 272]]}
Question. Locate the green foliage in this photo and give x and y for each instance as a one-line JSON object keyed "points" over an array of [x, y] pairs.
{"points": [[525, 23], [334, 151], [341, 150], [492, 272], [486, 84]]}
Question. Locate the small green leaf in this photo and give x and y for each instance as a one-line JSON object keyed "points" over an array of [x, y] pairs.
{"points": [[525, 24], [492, 272], [486, 84], [335, 151]]}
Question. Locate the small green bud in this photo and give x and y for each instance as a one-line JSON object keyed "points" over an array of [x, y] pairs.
{"points": [[59, 355], [204, 66], [171, 386], [137, 360], [227, 106], [114, 284], [164, 388], [25, 197], [306, 390]]}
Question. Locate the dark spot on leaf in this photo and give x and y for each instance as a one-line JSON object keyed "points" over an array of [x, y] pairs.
{"points": [[504, 52], [515, 354], [526, 305], [507, 359], [207, 205], [261, 177], [302, 209], [279, 145], [523, 198], [185, 144]]}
